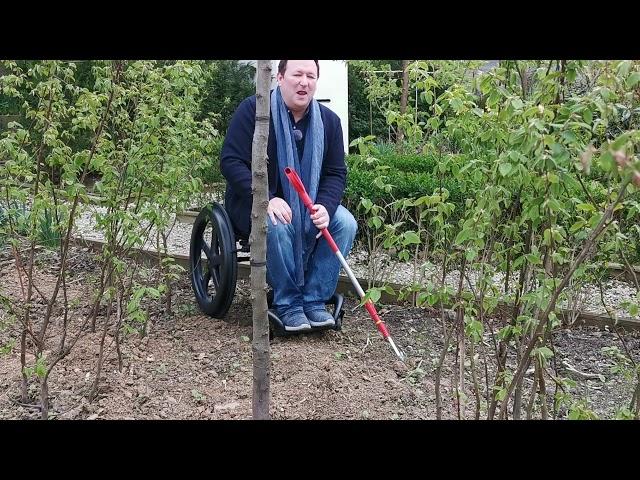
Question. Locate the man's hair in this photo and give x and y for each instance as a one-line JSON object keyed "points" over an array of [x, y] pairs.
{"points": [[282, 67]]}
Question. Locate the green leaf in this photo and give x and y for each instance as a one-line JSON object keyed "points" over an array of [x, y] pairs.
{"points": [[587, 116], [554, 205], [373, 294], [388, 289], [577, 226], [621, 141], [623, 68], [532, 213], [410, 237], [494, 98], [41, 369], [607, 162], [153, 292], [486, 135], [456, 105], [632, 80], [569, 136], [544, 352], [463, 235], [471, 254], [586, 207], [505, 168], [595, 219], [366, 203], [534, 259]]}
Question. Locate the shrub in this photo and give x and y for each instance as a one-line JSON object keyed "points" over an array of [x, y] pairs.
{"points": [[410, 176], [209, 172]]}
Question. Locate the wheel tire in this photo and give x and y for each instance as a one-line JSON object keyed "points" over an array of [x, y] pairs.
{"points": [[213, 278]]}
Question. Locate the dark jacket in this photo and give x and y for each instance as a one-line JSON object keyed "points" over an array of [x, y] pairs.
{"points": [[235, 163]]}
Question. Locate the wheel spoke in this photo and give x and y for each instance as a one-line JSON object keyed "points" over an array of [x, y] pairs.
{"points": [[215, 250], [215, 273], [205, 281], [206, 249]]}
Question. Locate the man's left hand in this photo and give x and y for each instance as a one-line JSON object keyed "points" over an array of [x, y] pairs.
{"points": [[320, 217]]}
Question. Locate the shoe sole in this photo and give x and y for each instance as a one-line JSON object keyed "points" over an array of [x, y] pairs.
{"points": [[305, 326], [322, 324]]}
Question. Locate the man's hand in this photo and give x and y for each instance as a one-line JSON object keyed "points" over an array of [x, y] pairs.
{"points": [[279, 209], [320, 217]]}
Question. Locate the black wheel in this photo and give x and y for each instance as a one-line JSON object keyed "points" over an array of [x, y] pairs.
{"points": [[213, 262]]}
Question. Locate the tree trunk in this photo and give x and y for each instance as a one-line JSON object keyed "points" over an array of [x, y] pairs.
{"points": [[258, 242], [403, 98]]}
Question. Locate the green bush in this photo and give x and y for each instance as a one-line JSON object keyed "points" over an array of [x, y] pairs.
{"points": [[47, 233], [228, 83], [209, 173], [411, 163], [20, 216], [365, 118], [410, 176]]}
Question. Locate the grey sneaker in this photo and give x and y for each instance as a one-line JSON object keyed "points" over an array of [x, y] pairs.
{"points": [[319, 318], [295, 321]]}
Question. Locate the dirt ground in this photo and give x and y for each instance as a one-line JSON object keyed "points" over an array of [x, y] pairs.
{"points": [[190, 366]]}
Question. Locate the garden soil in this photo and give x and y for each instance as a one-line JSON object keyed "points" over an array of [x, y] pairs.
{"points": [[190, 366]]}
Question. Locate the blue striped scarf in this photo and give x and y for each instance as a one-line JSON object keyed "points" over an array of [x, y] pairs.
{"points": [[308, 168]]}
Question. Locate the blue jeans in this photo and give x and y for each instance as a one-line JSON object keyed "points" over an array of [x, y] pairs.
{"points": [[323, 269]]}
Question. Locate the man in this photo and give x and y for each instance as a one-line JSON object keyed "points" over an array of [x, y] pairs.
{"points": [[306, 136]]}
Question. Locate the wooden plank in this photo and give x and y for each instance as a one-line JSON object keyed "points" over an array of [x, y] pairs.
{"points": [[148, 256], [188, 216], [617, 270]]}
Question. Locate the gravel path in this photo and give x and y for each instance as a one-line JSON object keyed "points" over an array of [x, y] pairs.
{"points": [[587, 298]]}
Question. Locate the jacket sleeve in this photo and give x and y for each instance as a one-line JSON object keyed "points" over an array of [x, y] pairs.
{"points": [[235, 157], [334, 171]]}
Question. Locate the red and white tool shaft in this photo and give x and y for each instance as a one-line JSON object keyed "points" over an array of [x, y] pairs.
{"points": [[382, 328]]}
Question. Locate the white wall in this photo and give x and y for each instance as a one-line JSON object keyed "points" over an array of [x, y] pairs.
{"points": [[332, 86]]}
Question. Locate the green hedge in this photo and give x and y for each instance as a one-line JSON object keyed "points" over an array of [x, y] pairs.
{"points": [[410, 175], [411, 163]]}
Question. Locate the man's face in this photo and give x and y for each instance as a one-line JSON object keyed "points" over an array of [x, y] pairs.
{"points": [[298, 84]]}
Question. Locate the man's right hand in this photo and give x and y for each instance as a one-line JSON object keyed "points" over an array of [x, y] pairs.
{"points": [[279, 209]]}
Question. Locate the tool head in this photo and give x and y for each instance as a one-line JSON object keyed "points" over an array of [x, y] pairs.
{"points": [[400, 355]]}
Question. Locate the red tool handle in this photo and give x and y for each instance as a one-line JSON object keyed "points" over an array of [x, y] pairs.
{"points": [[306, 199], [368, 305]]}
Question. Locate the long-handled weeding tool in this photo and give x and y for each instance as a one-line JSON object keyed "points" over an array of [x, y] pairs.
{"points": [[299, 187]]}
